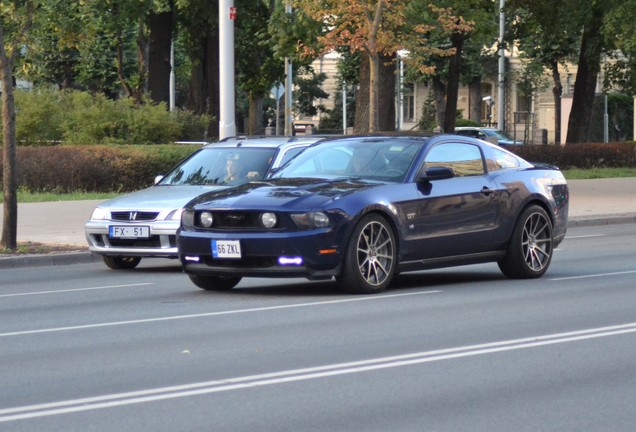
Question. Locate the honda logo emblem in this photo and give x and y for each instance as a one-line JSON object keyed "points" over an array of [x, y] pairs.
{"points": [[132, 216]]}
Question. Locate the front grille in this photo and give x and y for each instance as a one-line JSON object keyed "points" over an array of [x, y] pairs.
{"points": [[235, 221], [245, 262], [154, 241], [134, 216]]}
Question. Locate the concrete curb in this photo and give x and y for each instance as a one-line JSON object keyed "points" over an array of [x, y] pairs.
{"points": [[51, 259], [614, 219], [66, 258]]}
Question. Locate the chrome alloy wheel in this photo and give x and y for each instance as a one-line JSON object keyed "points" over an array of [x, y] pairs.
{"points": [[375, 252], [537, 242]]}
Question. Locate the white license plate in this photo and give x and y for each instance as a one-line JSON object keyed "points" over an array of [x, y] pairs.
{"points": [[128, 231], [226, 249]]}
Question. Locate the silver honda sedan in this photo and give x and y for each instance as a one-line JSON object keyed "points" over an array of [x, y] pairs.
{"points": [[144, 223]]}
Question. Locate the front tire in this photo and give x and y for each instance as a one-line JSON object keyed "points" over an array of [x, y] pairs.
{"points": [[371, 257], [214, 283], [531, 245], [121, 262]]}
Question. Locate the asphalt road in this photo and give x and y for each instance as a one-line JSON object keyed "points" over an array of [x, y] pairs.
{"points": [[83, 348]]}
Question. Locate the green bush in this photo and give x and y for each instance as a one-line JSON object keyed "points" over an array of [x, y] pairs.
{"points": [[39, 118], [584, 156], [466, 122], [47, 117], [125, 168], [95, 168]]}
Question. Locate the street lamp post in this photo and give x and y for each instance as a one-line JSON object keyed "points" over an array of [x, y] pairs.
{"points": [[288, 84], [502, 66], [227, 15]]}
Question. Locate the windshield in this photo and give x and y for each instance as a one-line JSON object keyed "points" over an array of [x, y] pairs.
{"points": [[221, 166], [371, 159]]}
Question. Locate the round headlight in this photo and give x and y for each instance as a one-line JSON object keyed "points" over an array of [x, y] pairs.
{"points": [[268, 220], [321, 220], [187, 218], [206, 219]]}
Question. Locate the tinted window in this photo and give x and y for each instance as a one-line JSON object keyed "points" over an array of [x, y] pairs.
{"points": [[464, 159], [502, 160], [212, 166]]}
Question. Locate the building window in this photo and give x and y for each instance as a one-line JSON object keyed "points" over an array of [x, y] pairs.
{"points": [[523, 100], [409, 107]]}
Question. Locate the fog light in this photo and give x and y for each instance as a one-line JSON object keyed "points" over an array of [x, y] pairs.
{"points": [[191, 258], [206, 219], [284, 261]]}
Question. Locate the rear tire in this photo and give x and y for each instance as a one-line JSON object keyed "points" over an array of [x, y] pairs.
{"points": [[531, 245], [214, 283], [121, 262], [371, 257]]}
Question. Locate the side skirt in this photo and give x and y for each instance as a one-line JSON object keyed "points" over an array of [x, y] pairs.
{"points": [[457, 260]]}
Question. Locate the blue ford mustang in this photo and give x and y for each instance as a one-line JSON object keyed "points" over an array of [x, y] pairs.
{"points": [[362, 209]]}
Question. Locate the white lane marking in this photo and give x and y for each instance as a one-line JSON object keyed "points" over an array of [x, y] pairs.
{"points": [[216, 386], [584, 236], [596, 275], [210, 314], [74, 290]]}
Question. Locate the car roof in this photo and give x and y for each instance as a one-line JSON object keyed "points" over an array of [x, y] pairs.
{"points": [[474, 128], [265, 141]]}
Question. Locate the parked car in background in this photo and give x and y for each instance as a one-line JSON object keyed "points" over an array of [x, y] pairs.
{"points": [[144, 223], [362, 209], [492, 135]]}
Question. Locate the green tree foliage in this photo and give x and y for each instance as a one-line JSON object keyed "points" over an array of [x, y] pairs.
{"points": [[257, 66], [621, 65], [532, 26], [373, 27], [452, 30]]}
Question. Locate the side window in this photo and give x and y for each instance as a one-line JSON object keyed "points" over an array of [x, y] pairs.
{"points": [[464, 159], [501, 160]]}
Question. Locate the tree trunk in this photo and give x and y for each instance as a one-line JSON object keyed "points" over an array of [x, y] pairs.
{"points": [[557, 91], [159, 67], [142, 62], [361, 121], [255, 115], [374, 75], [439, 94], [203, 96], [9, 238], [586, 77], [452, 89], [474, 99], [386, 93], [120, 67]]}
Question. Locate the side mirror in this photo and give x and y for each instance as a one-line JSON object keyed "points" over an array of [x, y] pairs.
{"points": [[158, 178], [437, 173]]}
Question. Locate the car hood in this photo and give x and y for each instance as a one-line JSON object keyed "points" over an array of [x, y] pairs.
{"points": [[157, 197], [282, 193]]}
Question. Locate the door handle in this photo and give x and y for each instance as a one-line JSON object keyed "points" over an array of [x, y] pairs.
{"points": [[487, 191]]}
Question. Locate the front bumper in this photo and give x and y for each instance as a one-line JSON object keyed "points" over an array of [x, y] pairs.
{"points": [[319, 250], [161, 243]]}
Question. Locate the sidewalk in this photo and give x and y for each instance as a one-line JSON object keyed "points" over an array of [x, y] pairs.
{"points": [[592, 202]]}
